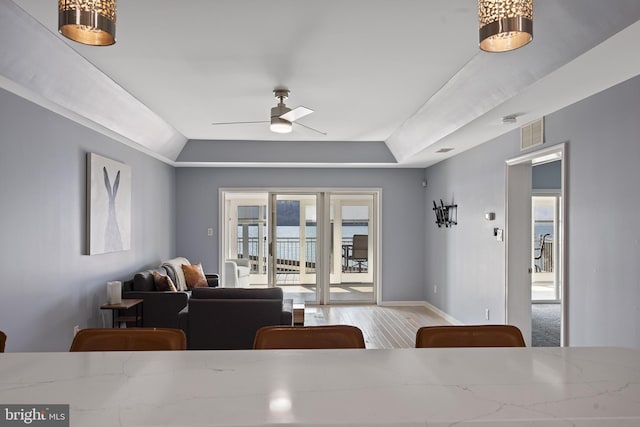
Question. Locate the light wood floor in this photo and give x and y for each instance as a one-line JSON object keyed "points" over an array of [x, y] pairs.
{"points": [[382, 327]]}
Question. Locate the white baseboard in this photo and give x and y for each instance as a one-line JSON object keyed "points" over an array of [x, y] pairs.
{"points": [[426, 304], [402, 303], [442, 314]]}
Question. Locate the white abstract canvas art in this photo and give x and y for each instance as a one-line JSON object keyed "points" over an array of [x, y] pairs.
{"points": [[109, 205]]}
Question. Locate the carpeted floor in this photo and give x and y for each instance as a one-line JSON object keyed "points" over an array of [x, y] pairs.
{"points": [[545, 325]]}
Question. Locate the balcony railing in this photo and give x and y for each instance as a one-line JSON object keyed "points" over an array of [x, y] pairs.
{"points": [[287, 251]]}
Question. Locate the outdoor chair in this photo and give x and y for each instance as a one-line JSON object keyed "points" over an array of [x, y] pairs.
{"points": [[237, 273], [469, 336], [542, 260], [3, 340], [308, 337], [129, 339], [360, 253]]}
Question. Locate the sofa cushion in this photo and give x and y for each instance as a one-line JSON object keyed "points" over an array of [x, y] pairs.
{"points": [[177, 274], [237, 293], [171, 273], [194, 275], [163, 282], [228, 324], [160, 309], [143, 281]]}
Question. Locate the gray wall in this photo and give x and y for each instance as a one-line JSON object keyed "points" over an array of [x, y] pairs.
{"points": [[603, 226], [402, 250], [603, 230], [465, 261], [286, 151], [48, 285]]}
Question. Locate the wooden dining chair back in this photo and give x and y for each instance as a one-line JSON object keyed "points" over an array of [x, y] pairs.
{"points": [[308, 337], [129, 339], [469, 336], [3, 340]]}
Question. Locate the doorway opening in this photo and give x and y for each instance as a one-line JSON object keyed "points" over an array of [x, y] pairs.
{"points": [[536, 281], [546, 292]]}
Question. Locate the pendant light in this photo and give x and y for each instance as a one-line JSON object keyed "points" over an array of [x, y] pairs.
{"points": [[505, 24], [91, 22]]}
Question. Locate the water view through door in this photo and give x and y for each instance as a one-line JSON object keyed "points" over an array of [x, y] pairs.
{"points": [[545, 279], [281, 239], [352, 249], [293, 246]]}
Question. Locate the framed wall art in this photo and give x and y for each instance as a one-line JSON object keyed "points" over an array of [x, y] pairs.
{"points": [[108, 205]]}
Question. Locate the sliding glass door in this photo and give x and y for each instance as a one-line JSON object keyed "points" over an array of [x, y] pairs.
{"points": [[319, 247]]}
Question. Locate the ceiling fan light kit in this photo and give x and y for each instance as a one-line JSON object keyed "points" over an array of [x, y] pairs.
{"points": [[279, 124], [91, 22], [505, 24], [282, 117]]}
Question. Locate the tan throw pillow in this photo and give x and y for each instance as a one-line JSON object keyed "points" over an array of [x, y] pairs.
{"points": [[163, 282], [194, 276]]}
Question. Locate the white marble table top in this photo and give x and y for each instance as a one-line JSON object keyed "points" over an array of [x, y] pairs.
{"points": [[408, 387]]}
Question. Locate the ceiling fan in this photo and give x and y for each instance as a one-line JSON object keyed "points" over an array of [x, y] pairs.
{"points": [[282, 117]]}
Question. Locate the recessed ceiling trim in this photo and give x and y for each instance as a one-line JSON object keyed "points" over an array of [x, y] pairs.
{"points": [[42, 63], [602, 67], [198, 74], [290, 165]]}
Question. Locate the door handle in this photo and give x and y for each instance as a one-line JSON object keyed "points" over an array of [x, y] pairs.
{"points": [[530, 270]]}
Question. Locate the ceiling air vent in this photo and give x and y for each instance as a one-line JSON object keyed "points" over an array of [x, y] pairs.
{"points": [[532, 134], [444, 150]]}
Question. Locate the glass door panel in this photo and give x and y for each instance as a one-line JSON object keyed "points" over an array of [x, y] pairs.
{"points": [[293, 246], [546, 229], [352, 248], [246, 233]]}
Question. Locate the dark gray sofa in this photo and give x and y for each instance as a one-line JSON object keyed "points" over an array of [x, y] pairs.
{"points": [[228, 318], [160, 309]]}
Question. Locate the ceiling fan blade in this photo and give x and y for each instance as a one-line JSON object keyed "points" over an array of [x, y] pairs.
{"points": [[310, 128], [238, 123], [296, 113]]}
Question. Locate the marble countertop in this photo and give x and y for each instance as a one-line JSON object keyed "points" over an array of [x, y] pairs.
{"points": [[406, 387]]}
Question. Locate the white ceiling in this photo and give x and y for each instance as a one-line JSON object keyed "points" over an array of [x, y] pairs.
{"points": [[407, 72]]}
